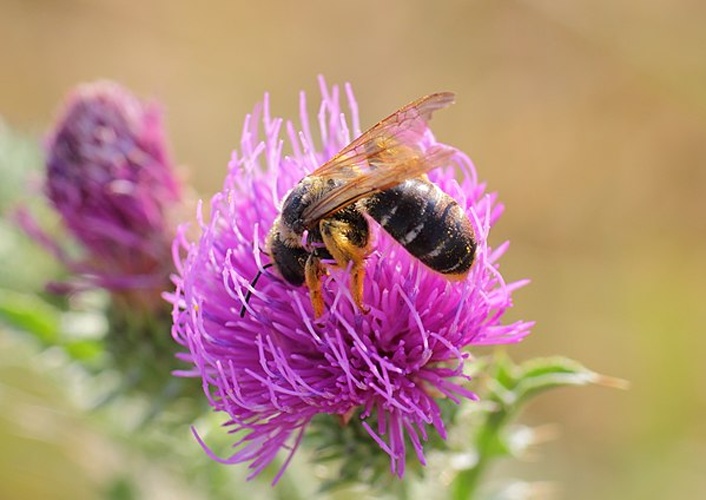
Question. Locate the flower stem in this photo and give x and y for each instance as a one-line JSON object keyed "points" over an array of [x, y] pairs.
{"points": [[466, 483], [402, 490]]}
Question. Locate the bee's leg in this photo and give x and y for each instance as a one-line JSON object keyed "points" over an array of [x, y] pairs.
{"points": [[344, 251], [313, 270], [357, 280]]}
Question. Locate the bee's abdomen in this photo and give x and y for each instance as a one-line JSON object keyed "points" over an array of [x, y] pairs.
{"points": [[428, 223]]}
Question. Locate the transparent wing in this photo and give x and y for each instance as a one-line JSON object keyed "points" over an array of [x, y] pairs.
{"points": [[382, 157]]}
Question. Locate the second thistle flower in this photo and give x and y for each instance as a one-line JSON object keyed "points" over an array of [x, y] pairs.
{"points": [[109, 177]]}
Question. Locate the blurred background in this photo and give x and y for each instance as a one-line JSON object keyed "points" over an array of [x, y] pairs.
{"points": [[588, 118]]}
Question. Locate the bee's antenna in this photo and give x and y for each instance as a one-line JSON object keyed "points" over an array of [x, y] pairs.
{"points": [[253, 283]]}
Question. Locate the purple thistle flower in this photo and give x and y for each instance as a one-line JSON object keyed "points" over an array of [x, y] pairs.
{"points": [[275, 368], [109, 177]]}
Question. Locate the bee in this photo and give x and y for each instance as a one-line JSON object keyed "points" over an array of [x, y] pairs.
{"points": [[381, 175]]}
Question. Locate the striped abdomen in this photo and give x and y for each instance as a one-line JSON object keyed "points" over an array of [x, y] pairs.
{"points": [[428, 223]]}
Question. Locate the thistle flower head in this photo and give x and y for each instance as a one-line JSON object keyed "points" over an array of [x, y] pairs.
{"points": [[109, 178], [274, 369]]}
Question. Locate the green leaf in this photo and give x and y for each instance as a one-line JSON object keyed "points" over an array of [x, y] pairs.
{"points": [[85, 350], [541, 374], [31, 314]]}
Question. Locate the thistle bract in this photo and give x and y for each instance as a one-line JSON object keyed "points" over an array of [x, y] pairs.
{"points": [[273, 369]]}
